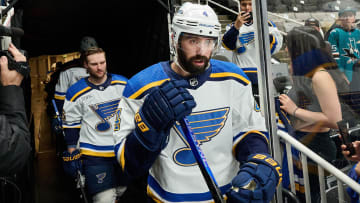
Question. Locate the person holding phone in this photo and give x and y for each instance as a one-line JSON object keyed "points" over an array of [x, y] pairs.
{"points": [[240, 40], [312, 104]]}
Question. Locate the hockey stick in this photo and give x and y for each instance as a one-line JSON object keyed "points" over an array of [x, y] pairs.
{"points": [[57, 115], [80, 182], [201, 160]]}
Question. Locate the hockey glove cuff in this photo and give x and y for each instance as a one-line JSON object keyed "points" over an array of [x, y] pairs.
{"points": [[72, 163], [257, 180]]}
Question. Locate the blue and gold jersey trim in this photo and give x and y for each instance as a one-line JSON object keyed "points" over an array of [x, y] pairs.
{"points": [[120, 148], [59, 95], [118, 82], [142, 90], [229, 76], [72, 125], [79, 93], [98, 151]]}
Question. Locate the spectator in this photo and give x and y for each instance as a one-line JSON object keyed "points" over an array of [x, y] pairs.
{"points": [[313, 104], [240, 39], [344, 42], [336, 24], [312, 22]]}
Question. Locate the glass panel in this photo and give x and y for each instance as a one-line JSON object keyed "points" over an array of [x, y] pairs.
{"points": [[321, 51], [314, 46]]}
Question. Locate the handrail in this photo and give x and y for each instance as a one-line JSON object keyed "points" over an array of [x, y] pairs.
{"points": [[323, 163]]}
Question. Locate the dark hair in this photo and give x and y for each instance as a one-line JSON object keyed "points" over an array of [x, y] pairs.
{"points": [[91, 51], [312, 22], [304, 39]]}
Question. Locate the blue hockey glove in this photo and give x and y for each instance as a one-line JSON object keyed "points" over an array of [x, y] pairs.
{"points": [[256, 181], [163, 106], [72, 163], [56, 126]]}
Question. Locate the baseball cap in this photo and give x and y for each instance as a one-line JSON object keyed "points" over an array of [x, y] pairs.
{"points": [[87, 42], [312, 22], [347, 10]]}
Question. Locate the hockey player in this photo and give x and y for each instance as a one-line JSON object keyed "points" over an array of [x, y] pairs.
{"points": [[73, 73], [89, 106], [216, 98], [344, 42], [240, 40]]}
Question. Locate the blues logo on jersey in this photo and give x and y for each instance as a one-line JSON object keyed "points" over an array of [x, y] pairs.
{"points": [[205, 125], [105, 111]]}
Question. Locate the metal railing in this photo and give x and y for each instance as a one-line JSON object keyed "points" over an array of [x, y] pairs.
{"points": [[322, 164], [270, 13]]}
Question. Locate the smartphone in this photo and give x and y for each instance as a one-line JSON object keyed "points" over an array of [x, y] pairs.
{"points": [[250, 17], [345, 136]]}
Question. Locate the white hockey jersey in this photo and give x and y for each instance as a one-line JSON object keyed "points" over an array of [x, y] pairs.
{"points": [[242, 45], [90, 108], [224, 118], [68, 78]]}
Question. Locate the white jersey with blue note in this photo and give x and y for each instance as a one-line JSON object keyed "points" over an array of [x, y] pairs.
{"points": [[225, 115], [87, 113], [242, 45]]}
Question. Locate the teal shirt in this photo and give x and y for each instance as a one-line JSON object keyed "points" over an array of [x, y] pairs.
{"points": [[345, 47]]}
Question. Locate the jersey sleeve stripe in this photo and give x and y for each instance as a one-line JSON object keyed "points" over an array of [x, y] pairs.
{"points": [[250, 70], [96, 153], [87, 145], [146, 87], [118, 82], [273, 44], [60, 93], [122, 158], [78, 94], [120, 154], [59, 97], [228, 75], [65, 126]]}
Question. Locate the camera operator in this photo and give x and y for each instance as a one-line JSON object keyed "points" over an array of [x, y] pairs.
{"points": [[15, 145]]}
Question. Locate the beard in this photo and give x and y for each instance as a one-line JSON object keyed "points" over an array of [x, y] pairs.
{"points": [[189, 66], [96, 75]]}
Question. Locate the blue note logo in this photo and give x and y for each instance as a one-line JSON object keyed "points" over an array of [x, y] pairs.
{"points": [[205, 126], [100, 177], [104, 112]]}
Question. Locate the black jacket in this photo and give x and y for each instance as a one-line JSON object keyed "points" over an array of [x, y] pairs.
{"points": [[15, 145]]}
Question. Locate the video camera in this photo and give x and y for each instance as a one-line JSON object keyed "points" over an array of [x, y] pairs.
{"points": [[5, 39]]}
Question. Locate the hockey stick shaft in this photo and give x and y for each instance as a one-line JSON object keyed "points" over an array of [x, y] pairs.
{"points": [[56, 110], [58, 115], [83, 194], [201, 160]]}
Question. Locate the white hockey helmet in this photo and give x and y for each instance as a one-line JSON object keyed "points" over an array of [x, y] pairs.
{"points": [[195, 19]]}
